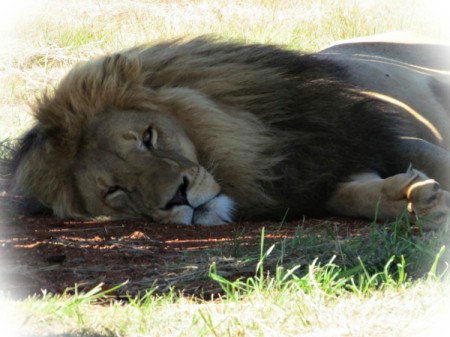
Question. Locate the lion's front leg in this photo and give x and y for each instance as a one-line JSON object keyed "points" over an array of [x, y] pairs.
{"points": [[429, 202], [368, 195]]}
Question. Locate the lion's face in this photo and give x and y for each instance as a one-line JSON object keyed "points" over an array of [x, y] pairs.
{"points": [[143, 164]]}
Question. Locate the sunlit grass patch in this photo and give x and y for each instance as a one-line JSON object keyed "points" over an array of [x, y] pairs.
{"points": [[50, 37]]}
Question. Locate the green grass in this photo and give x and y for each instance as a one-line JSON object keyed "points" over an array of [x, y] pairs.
{"points": [[386, 282], [341, 288]]}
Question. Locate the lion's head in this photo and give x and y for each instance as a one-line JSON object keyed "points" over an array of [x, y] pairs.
{"points": [[105, 145], [148, 168]]}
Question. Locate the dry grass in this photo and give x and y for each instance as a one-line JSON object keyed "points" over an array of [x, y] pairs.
{"points": [[41, 40], [420, 311]]}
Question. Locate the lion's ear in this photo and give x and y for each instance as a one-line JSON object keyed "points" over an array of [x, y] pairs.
{"points": [[122, 69]]}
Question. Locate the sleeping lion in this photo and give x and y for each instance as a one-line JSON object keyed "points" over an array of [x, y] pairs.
{"points": [[209, 132]]}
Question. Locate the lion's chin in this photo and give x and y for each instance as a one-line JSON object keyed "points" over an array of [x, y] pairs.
{"points": [[217, 211]]}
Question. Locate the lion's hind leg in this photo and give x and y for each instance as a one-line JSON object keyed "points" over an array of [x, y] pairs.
{"points": [[370, 196]]}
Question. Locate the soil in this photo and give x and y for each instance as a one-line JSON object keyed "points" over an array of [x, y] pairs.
{"points": [[43, 254]]}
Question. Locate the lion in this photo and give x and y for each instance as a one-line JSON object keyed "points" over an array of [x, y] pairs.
{"points": [[208, 132]]}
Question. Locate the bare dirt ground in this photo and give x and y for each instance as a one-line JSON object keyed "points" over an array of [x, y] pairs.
{"points": [[46, 253]]}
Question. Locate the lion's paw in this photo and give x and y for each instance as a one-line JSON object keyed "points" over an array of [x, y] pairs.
{"points": [[430, 203]]}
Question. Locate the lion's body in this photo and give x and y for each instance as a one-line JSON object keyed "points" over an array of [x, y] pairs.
{"points": [[182, 132], [414, 76], [417, 75]]}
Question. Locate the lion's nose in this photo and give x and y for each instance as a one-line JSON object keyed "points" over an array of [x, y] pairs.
{"points": [[180, 197]]}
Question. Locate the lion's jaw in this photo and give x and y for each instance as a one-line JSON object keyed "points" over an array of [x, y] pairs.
{"points": [[142, 164]]}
